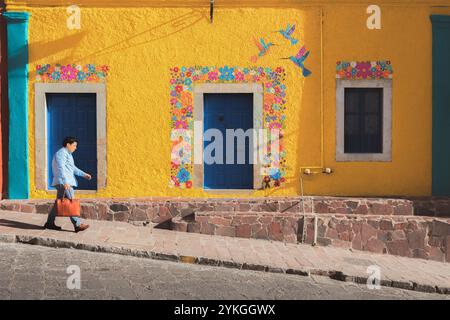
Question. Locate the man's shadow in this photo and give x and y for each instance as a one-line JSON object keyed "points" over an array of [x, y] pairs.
{"points": [[19, 225]]}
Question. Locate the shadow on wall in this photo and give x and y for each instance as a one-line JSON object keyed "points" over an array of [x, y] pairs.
{"points": [[40, 50], [158, 32]]}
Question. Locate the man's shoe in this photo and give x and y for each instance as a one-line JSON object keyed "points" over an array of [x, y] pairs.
{"points": [[81, 227], [52, 226]]}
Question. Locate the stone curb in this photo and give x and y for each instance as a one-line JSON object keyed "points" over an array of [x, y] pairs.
{"points": [[142, 253]]}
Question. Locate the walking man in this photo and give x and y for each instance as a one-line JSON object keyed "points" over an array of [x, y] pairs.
{"points": [[64, 171]]}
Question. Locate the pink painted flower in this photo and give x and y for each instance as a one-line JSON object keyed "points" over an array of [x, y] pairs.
{"points": [[181, 124], [239, 76], [68, 73], [364, 70], [213, 76], [274, 125], [268, 84], [173, 101], [172, 81]]}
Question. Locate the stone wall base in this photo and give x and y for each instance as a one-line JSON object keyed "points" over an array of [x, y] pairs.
{"points": [[157, 210], [408, 236]]}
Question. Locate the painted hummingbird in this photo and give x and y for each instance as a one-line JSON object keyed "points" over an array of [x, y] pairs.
{"points": [[262, 47], [299, 60], [287, 33]]}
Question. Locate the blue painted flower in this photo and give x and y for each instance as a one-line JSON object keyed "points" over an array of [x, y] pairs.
{"points": [[274, 174], [205, 70], [226, 73], [246, 70], [283, 87], [188, 81], [183, 69], [81, 76], [56, 75], [91, 68], [183, 175]]}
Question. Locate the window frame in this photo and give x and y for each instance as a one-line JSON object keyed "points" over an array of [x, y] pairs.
{"points": [[386, 155]]}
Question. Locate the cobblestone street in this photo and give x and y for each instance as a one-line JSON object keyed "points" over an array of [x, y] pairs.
{"points": [[35, 272]]}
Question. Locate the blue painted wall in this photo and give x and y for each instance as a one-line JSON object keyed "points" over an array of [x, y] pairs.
{"points": [[17, 39], [441, 106]]}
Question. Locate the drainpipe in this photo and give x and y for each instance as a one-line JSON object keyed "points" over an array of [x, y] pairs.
{"points": [[307, 170], [321, 167], [315, 231]]}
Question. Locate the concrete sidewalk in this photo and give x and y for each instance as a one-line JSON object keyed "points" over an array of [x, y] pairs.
{"points": [[271, 256]]}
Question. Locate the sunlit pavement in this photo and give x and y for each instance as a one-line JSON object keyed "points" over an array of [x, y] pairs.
{"points": [[35, 272]]}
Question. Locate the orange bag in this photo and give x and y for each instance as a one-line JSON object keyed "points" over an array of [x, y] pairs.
{"points": [[67, 207]]}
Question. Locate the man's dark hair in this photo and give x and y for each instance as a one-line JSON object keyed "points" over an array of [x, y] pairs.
{"points": [[69, 140]]}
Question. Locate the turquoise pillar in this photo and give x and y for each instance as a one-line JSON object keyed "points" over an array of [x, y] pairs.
{"points": [[441, 106], [17, 43]]}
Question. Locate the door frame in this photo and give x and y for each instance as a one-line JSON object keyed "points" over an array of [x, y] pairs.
{"points": [[199, 90], [41, 172]]}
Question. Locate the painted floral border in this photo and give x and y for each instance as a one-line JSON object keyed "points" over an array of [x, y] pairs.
{"points": [[71, 73], [358, 70], [182, 80]]}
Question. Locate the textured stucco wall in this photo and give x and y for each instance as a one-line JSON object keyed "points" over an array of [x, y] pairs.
{"points": [[138, 120]]}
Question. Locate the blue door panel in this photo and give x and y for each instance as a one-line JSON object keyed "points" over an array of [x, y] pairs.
{"points": [[229, 111], [441, 106], [74, 114]]}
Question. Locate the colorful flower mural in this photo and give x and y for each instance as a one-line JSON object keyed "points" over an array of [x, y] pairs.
{"points": [[181, 83], [71, 73], [358, 70]]}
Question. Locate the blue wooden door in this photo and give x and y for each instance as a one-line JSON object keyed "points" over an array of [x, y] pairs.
{"points": [[229, 111], [441, 106], [74, 114]]}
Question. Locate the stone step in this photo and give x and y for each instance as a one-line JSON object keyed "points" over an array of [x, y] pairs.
{"points": [[409, 236]]}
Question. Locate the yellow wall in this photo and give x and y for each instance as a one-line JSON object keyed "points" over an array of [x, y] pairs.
{"points": [[138, 120]]}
